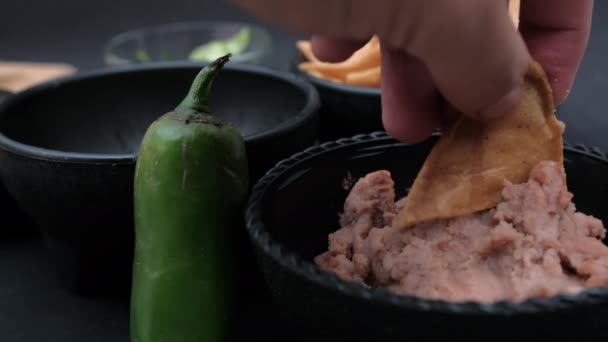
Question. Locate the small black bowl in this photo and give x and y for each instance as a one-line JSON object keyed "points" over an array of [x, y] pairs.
{"points": [[14, 221], [295, 206], [68, 149], [345, 110]]}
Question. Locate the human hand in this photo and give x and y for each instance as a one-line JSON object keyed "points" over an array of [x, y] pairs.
{"points": [[443, 56]]}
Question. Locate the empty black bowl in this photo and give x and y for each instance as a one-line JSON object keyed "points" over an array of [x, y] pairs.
{"points": [[296, 204], [345, 110], [68, 150]]}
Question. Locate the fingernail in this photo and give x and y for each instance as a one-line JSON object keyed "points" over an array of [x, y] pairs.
{"points": [[503, 106]]}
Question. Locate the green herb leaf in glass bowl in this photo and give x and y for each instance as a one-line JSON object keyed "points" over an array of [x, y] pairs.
{"points": [[214, 49], [165, 56], [141, 56]]}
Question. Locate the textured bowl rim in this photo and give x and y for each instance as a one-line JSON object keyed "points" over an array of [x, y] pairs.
{"points": [[307, 112], [306, 269]]}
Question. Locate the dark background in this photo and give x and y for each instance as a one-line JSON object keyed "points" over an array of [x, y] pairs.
{"points": [[33, 306]]}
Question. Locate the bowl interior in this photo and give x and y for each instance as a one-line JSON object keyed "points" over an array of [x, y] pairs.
{"points": [[109, 112], [301, 206]]}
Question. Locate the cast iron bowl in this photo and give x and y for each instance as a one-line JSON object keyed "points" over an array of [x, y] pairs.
{"points": [[68, 149], [295, 206], [345, 110]]}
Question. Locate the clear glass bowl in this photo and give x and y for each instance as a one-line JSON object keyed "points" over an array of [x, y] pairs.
{"points": [[175, 42]]}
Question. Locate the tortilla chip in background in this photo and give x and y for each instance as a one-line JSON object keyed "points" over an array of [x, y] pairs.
{"points": [[467, 168]]}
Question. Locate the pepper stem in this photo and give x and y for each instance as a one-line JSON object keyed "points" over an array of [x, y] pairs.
{"points": [[197, 98]]}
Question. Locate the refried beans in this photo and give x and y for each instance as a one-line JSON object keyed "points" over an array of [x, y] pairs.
{"points": [[533, 244]]}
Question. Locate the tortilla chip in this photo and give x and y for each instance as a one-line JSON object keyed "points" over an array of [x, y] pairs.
{"points": [[467, 168], [514, 6]]}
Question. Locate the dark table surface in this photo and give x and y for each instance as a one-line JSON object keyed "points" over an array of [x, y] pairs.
{"points": [[33, 304]]}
